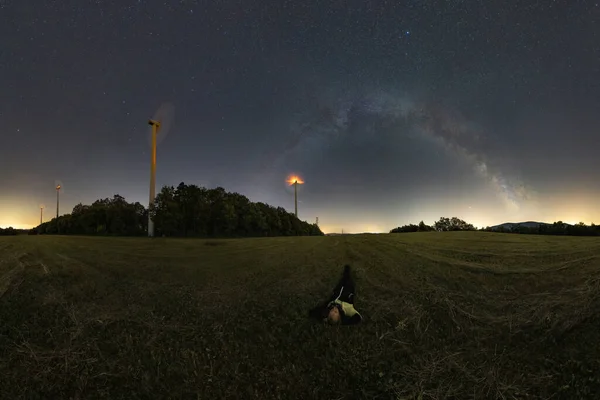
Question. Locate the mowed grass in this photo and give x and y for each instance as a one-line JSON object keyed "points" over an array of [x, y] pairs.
{"points": [[447, 315]]}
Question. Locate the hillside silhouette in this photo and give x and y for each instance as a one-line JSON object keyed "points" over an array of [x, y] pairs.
{"points": [[445, 224]]}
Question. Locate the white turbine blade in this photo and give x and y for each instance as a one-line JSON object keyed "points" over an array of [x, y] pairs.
{"points": [[164, 115]]}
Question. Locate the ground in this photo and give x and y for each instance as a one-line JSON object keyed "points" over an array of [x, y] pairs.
{"points": [[447, 315]]}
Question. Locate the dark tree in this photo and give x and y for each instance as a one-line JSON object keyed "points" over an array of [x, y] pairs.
{"points": [[424, 228], [186, 211], [10, 231], [444, 224], [452, 224], [111, 217], [189, 210]]}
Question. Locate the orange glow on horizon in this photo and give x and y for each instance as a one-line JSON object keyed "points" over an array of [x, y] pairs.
{"points": [[17, 226], [294, 179], [23, 212]]}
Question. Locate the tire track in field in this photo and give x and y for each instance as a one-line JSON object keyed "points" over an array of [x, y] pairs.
{"points": [[14, 277]]}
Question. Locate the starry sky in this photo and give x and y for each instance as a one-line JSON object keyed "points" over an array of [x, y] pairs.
{"points": [[391, 111]]}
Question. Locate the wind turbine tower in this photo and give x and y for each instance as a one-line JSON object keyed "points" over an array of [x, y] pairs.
{"points": [[295, 181], [160, 122]]}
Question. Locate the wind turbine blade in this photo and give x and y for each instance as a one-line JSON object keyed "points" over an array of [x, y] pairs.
{"points": [[164, 115]]}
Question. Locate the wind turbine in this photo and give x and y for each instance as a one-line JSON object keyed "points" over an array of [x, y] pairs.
{"points": [[295, 181], [58, 186], [160, 122]]}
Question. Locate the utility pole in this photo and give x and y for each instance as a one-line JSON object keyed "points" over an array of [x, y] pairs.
{"points": [[317, 222]]}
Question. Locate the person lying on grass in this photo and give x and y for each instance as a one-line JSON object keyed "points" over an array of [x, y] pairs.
{"points": [[339, 308]]}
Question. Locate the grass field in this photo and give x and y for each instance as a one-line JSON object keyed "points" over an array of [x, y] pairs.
{"points": [[447, 315]]}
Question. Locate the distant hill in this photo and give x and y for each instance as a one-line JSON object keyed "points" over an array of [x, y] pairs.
{"points": [[528, 224]]}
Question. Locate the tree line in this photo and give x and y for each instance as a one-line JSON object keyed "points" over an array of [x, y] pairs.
{"points": [[556, 228], [115, 217], [456, 224], [444, 224], [182, 211], [10, 231]]}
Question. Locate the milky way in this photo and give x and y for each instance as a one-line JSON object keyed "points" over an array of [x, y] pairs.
{"points": [[386, 116]]}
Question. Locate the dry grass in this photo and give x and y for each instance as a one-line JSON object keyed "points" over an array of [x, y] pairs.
{"points": [[448, 315]]}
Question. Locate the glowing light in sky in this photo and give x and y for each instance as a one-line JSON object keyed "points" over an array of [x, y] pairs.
{"points": [[294, 179]]}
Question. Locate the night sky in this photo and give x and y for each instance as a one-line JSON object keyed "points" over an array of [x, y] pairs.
{"points": [[391, 111]]}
